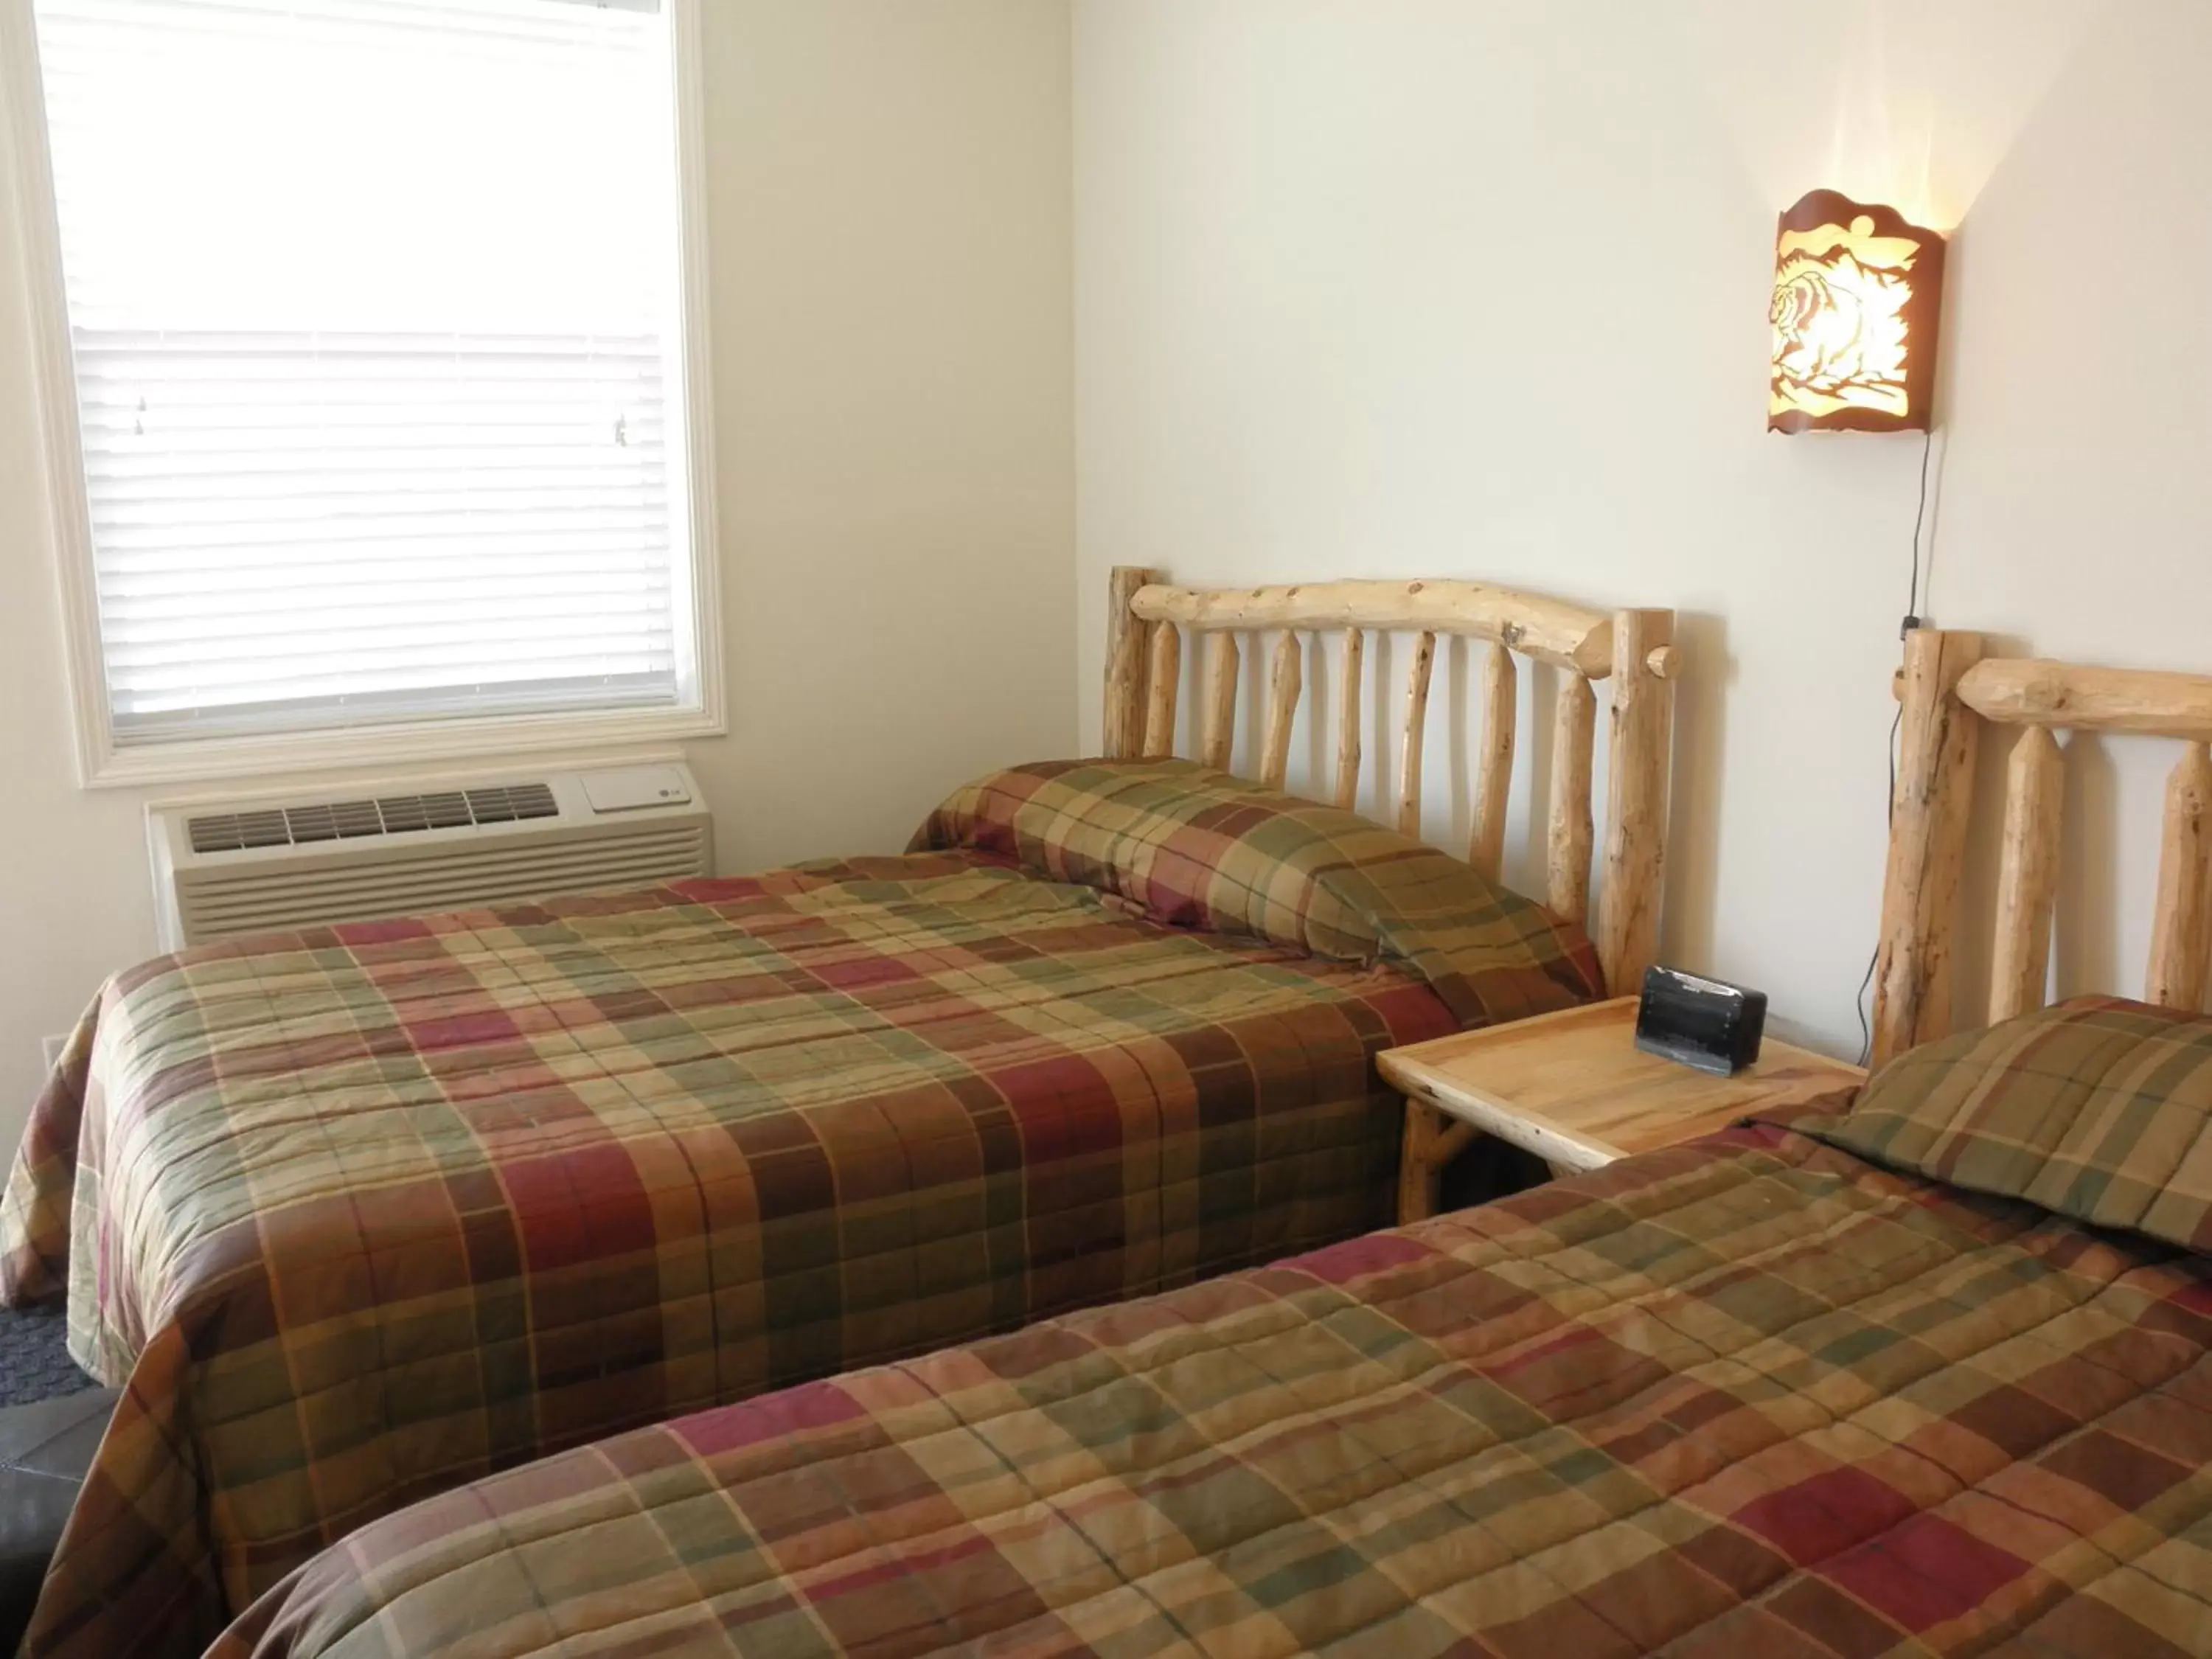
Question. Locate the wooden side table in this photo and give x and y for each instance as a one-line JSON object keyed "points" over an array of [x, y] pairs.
{"points": [[1574, 1089]]}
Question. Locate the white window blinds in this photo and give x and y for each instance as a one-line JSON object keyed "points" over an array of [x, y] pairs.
{"points": [[374, 307]]}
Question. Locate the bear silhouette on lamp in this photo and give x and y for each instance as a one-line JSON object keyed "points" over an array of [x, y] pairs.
{"points": [[1858, 293]]}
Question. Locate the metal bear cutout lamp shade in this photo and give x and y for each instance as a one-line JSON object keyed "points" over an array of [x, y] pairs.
{"points": [[1857, 294]]}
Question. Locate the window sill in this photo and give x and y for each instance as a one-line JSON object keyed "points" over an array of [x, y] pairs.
{"points": [[362, 748]]}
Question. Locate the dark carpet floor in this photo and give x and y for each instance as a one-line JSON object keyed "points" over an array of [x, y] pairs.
{"points": [[33, 1364]]}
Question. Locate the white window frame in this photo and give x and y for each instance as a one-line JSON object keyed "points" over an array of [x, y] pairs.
{"points": [[101, 762]]}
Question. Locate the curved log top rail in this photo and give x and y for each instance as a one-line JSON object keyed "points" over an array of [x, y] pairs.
{"points": [[2023, 691], [1550, 630], [1952, 692], [1634, 650]]}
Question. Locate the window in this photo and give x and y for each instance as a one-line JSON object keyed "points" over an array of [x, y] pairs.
{"points": [[375, 309]]}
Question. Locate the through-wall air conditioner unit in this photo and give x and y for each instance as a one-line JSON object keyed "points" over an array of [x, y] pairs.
{"points": [[359, 853]]}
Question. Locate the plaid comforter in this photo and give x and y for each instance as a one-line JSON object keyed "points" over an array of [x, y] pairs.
{"points": [[365, 1212], [1748, 1399]]}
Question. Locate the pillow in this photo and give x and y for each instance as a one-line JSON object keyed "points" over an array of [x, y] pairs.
{"points": [[1190, 846], [2100, 1110]]}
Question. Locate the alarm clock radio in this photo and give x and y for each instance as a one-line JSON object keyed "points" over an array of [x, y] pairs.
{"points": [[1700, 1022]]}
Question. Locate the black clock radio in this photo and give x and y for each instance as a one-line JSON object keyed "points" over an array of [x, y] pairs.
{"points": [[1700, 1022]]}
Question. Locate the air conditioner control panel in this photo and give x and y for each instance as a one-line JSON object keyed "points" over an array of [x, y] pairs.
{"points": [[633, 788]]}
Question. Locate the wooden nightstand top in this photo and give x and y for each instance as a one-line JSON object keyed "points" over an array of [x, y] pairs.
{"points": [[1574, 1089]]}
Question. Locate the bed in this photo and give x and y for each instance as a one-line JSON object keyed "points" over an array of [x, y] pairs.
{"points": [[1929, 1374], [356, 1215]]}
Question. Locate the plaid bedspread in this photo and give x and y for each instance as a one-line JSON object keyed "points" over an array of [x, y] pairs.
{"points": [[360, 1214], [1750, 1399]]}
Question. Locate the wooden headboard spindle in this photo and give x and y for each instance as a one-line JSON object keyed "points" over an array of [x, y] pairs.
{"points": [[1414, 744], [1951, 689], [1283, 686], [1147, 621], [1166, 684], [1347, 719], [2178, 931], [1219, 738], [1493, 781], [1569, 829]]}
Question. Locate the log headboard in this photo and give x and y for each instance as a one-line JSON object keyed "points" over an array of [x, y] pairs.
{"points": [[1951, 690], [1147, 619]]}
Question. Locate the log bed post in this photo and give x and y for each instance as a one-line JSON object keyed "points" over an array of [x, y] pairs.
{"points": [[1641, 750], [1936, 740], [1126, 677]]}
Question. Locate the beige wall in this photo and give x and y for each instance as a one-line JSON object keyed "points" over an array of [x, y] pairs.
{"points": [[890, 220], [1427, 286], [1409, 286]]}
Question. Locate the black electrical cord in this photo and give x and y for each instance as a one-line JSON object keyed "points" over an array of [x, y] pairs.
{"points": [[1897, 722], [1919, 518]]}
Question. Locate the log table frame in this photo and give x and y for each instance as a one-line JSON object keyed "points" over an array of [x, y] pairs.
{"points": [[1574, 1089]]}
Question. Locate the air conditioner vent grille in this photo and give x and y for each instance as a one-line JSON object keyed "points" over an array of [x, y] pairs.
{"points": [[386, 815]]}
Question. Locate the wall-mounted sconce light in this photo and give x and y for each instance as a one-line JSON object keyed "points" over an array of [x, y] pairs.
{"points": [[1857, 293]]}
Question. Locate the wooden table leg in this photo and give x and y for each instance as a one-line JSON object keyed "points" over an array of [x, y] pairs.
{"points": [[1419, 1171]]}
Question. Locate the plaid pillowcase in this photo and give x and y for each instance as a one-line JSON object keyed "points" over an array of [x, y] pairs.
{"points": [[2099, 1110], [1194, 847]]}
